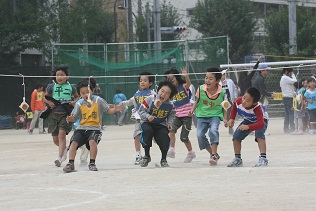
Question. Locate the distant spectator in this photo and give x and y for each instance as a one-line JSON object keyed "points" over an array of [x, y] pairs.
{"points": [[37, 106], [286, 83], [118, 98]]}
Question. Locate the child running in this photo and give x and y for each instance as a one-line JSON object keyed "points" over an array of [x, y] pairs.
{"points": [[89, 130], [249, 108], [146, 80], [209, 112], [182, 104], [63, 92], [157, 115]]}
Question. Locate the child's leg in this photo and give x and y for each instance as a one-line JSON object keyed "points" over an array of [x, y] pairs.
{"points": [[172, 136], [136, 136], [185, 131], [162, 139], [262, 145], [93, 149], [137, 143], [237, 147], [300, 124], [202, 127], [214, 133], [73, 150], [147, 134], [62, 142]]}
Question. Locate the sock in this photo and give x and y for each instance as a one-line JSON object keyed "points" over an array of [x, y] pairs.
{"points": [[72, 161], [92, 161], [263, 155], [237, 155], [138, 154], [171, 148]]}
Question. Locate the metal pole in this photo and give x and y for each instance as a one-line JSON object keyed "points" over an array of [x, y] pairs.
{"points": [[148, 14], [292, 27], [157, 24], [298, 62], [115, 28]]}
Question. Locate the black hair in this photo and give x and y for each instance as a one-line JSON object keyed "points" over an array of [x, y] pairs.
{"points": [[311, 79], [287, 70], [303, 79], [118, 91], [39, 85], [295, 85], [151, 78], [93, 82], [176, 74], [63, 68], [173, 88], [83, 83], [216, 72], [254, 93]]}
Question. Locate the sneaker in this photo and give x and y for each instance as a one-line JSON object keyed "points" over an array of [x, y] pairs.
{"points": [[58, 162], [262, 162], [144, 162], [164, 163], [311, 132], [93, 167], [293, 133], [69, 167], [237, 162], [171, 153], [299, 132], [42, 132], [120, 123], [214, 159], [190, 157], [64, 157], [138, 160], [30, 132]]}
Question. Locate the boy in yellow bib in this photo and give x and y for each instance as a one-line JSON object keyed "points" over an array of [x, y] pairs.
{"points": [[89, 130]]}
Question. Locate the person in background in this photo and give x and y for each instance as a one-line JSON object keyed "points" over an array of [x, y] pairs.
{"points": [[245, 79], [299, 111], [118, 98], [37, 106], [310, 97], [286, 83]]}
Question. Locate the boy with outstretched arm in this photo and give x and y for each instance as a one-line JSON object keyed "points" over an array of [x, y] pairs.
{"points": [[254, 119]]}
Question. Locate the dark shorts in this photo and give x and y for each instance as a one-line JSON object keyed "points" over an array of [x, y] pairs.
{"points": [[240, 135], [186, 124], [56, 122], [82, 137], [312, 115]]}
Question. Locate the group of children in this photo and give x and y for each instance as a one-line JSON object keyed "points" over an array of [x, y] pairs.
{"points": [[159, 114], [304, 106]]}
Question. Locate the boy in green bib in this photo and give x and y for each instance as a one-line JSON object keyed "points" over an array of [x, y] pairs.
{"points": [[209, 112]]}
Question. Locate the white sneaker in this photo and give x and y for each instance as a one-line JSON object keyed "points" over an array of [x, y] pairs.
{"points": [[171, 153], [190, 157], [262, 162], [58, 162]]}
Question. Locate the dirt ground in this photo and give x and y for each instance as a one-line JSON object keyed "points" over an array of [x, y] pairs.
{"points": [[30, 181]]}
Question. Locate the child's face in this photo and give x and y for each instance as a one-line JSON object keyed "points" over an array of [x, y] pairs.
{"points": [[164, 93], [144, 83], [247, 101], [172, 79], [312, 84], [294, 88], [61, 77], [84, 93], [210, 80], [304, 83]]}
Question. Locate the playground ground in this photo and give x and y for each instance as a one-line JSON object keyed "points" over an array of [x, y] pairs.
{"points": [[30, 181]]}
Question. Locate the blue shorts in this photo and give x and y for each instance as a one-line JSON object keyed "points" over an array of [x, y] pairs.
{"points": [[240, 135]]}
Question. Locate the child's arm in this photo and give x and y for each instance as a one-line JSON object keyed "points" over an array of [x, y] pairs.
{"points": [[194, 107], [76, 98], [233, 113], [143, 109], [129, 102], [114, 109], [185, 75]]}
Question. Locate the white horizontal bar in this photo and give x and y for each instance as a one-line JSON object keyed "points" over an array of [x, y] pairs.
{"points": [[270, 63]]}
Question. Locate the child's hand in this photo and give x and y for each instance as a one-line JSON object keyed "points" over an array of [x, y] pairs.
{"points": [[72, 103], [118, 107], [191, 113], [225, 123], [51, 105], [230, 123], [157, 103], [151, 118], [184, 70], [70, 119], [243, 127], [169, 127]]}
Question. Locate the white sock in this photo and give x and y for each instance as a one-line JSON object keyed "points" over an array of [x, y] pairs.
{"points": [[138, 154]]}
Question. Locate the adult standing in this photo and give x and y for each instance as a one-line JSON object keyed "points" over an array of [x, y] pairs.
{"points": [[286, 83], [260, 82], [244, 81], [37, 107], [118, 98]]}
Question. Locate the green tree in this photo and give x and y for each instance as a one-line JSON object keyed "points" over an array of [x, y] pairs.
{"points": [[24, 24], [277, 29], [169, 16], [225, 17], [85, 21]]}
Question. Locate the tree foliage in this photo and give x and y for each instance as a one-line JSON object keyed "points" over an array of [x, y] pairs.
{"points": [[225, 17], [277, 29]]}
